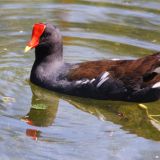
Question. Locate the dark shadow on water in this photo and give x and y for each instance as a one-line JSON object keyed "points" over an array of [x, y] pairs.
{"points": [[131, 117]]}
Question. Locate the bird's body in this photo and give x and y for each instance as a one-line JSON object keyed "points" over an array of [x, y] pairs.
{"points": [[128, 80]]}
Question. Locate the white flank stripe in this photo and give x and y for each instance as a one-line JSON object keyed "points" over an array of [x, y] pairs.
{"points": [[102, 81], [157, 70], [85, 82], [78, 82], [156, 85], [92, 80], [104, 75]]}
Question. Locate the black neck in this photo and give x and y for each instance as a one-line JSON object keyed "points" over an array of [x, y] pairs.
{"points": [[49, 53], [48, 58]]}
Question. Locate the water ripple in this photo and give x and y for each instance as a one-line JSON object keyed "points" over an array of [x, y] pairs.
{"points": [[68, 127]]}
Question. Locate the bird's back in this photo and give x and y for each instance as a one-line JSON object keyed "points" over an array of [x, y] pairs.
{"points": [[120, 80]]}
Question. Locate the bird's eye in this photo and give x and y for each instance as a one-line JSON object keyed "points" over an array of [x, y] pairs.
{"points": [[46, 35]]}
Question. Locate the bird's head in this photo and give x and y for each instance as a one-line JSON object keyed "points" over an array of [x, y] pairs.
{"points": [[43, 35]]}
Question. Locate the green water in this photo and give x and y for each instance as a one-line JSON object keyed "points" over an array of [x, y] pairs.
{"points": [[38, 124]]}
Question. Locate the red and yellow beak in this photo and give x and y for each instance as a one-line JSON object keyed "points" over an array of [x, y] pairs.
{"points": [[37, 31]]}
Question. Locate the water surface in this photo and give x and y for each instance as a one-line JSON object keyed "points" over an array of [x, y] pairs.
{"points": [[38, 124]]}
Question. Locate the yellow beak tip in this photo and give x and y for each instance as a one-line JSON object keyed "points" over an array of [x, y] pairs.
{"points": [[27, 49]]}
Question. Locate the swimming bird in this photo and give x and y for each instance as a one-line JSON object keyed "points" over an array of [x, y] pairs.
{"points": [[135, 80]]}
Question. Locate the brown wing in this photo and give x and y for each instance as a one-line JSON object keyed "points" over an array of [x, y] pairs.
{"points": [[129, 71], [93, 69]]}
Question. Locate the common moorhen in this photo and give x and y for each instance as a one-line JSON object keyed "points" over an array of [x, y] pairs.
{"points": [[128, 80]]}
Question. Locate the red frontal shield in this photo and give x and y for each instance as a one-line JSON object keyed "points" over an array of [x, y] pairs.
{"points": [[37, 31]]}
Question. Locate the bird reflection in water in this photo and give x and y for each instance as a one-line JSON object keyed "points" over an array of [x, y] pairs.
{"points": [[43, 111], [132, 117]]}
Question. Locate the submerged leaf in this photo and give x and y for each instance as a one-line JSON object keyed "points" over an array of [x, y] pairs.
{"points": [[8, 99], [39, 106]]}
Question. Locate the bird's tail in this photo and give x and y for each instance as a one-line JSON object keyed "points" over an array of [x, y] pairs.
{"points": [[147, 94]]}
